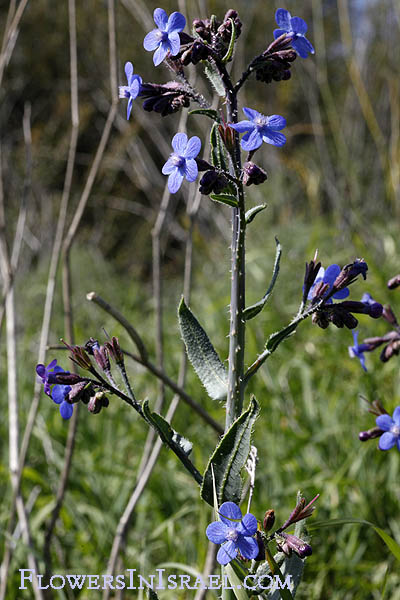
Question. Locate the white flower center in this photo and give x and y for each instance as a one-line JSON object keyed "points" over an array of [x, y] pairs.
{"points": [[261, 121], [178, 161], [395, 430], [232, 534], [162, 35]]}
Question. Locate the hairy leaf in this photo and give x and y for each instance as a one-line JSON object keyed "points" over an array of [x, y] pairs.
{"points": [[215, 79], [252, 212], [228, 199], [228, 459], [229, 52], [253, 310], [202, 354], [208, 112]]}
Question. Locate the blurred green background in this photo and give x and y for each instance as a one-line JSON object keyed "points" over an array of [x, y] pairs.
{"points": [[334, 186]]}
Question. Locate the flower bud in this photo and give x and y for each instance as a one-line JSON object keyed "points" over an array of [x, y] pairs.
{"points": [[101, 358], [375, 432], [349, 273], [394, 282], [287, 543], [389, 315], [390, 350], [114, 350], [79, 356], [97, 402], [269, 519], [261, 548], [212, 182], [252, 173]]}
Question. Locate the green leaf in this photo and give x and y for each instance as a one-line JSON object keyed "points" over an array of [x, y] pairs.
{"points": [[276, 338], [219, 157], [252, 212], [283, 592], [254, 309], [178, 444], [202, 355], [228, 459], [231, 46], [294, 566], [393, 546], [228, 199], [215, 79], [208, 112]]}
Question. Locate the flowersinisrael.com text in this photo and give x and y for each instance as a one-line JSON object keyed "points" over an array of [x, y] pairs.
{"points": [[156, 581]]}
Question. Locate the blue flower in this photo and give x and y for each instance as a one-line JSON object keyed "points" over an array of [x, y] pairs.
{"points": [[357, 351], [329, 277], [296, 27], [375, 308], [58, 392], [391, 427], [181, 163], [166, 37], [260, 129], [132, 90], [234, 533]]}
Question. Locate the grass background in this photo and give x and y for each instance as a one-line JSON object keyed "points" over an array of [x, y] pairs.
{"points": [[333, 187]]}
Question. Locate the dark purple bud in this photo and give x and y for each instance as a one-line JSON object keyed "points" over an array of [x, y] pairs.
{"points": [[78, 391], [203, 165], [185, 38], [164, 99], [349, 273], [114, 350], [97, 402], [389, 315], [212, 182], [320, 318], [225, 29], [394, 282], [364, 436], [373, 309], [269, 519], [280, 43], [310, 275], [261, 548], [101, 358], [65, 378], [288, 542], [253, 174], [203, 29], [390, 350], [90, 345], [79, 356]]}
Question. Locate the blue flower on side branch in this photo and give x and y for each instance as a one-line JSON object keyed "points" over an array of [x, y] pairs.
{"points": [[132, 90], [296, 27], [165, 38], [58, 392], [181, 163], [259, 128], [357, 351], [234, 533], [328, 277], [391, 427]]}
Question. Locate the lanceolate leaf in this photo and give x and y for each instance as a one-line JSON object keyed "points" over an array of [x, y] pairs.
{"points": [[253, 310], [231, 47], [218, 153], [215, 79], [208, 112], [228, 459], [252, 212], [202, 355], [178, 444], [228, 199]]}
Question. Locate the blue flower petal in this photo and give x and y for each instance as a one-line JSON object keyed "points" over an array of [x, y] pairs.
{"points": [[248, 525], [331, 273], [179, 143], [298, 25], [160, 19], [302, 46], [129, 108], [216, 532], [282, 18], [341, 294], [129, 71], [387, 441], [66, 410], [175, 181], [276, 122], [176, 23], [169, 166], [279, 32], [135, 87], [193, 147], [41, 370], [251, 140], [273, 137], [226, 553], [384, 422], [174, 42], [152, 40], [191, 169], [229, 513], [396, 415], [242, 126], [248, 547], [53, 365], [251, 113], [160, 53]]}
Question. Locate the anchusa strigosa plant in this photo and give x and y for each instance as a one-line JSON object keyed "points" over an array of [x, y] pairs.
{"points": [[226, 176]]}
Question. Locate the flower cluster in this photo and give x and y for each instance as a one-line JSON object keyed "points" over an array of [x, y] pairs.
{"points": [[322, 286]]}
